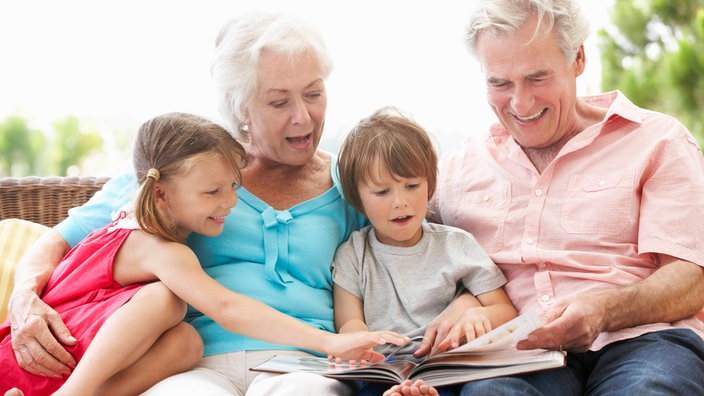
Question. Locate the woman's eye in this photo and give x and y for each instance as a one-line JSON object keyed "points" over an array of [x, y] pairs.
{"points": [[279, 104], [315, 94]]}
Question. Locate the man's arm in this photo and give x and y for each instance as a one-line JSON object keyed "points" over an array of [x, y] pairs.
{"points": [[674, 292], [38, 333]]}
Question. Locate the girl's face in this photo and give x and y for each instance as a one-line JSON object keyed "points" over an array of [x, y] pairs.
{"points": [[396, 206], [199, 200], [287, 113]]}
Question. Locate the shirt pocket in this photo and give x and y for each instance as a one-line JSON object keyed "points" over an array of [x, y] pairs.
{"points": [[483, 210], [598, 204]]}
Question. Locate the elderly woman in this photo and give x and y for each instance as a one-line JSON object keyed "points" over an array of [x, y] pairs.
{"points": [[278, 243]]}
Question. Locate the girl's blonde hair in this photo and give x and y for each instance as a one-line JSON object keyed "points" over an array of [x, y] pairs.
{"points": [[393, 139], [168, 146]]}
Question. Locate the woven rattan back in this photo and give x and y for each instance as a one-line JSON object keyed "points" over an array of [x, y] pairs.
{"points": [[45, 200]]}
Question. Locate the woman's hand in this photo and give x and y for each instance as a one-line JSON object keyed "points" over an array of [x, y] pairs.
{"points": [[39, 336]]}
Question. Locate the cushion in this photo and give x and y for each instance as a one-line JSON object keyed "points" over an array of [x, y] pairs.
{"points": [[15, 237]]}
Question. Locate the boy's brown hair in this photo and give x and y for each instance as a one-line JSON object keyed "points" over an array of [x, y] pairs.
{"points": [[396, 141]]}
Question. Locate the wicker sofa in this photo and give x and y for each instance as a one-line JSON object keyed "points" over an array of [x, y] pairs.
{"points": [[28, 206], [45, 200]]}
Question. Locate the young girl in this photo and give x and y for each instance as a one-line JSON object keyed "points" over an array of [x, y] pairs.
{"points": [[117, 290], [400, 272]]}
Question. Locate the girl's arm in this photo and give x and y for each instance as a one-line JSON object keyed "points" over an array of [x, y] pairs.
{"points": [[180, 271]]}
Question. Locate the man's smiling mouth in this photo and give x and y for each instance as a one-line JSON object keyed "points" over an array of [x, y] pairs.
{"points": [[532, 117]]}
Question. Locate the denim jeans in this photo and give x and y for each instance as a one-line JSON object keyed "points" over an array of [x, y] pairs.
{"points": [[668, 362]]}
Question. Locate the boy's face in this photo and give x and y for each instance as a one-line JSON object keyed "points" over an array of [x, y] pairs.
{"points": [[396, 206]]}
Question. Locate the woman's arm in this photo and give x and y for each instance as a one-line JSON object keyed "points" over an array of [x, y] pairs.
{"points": [[38, 333]]}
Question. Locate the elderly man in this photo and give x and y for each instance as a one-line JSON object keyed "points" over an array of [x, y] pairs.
{"points": [[592, 207]]}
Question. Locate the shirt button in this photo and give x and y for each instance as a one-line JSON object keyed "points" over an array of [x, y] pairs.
{"points": [[601, 183], [545, 298], [529, 240], [538, 193], [486, 198], [542, 265]]}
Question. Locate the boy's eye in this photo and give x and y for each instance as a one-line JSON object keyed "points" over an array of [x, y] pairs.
{"points": [[412, 186], [212, 192], [381, 192]]}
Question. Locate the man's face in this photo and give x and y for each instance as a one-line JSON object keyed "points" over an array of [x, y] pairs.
{"points": [[530, 85]]}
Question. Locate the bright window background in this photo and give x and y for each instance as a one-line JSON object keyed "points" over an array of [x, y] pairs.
{"points": [[118, 63]]}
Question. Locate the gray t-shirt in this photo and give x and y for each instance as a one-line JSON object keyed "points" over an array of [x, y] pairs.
{"points": [[404, 288]]}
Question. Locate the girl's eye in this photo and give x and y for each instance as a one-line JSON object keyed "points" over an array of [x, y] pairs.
{"points": [[413, 186], [213, 192], [381, 192]]}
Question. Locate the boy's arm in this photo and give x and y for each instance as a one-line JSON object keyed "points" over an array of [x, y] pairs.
{"points": [[349, 311], [496, 309], [439, 329]]}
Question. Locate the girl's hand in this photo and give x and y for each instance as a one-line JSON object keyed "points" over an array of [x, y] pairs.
{"points": [[359, 346]]}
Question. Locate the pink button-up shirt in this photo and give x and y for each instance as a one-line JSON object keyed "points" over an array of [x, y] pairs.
{"points": [[617, 194]]}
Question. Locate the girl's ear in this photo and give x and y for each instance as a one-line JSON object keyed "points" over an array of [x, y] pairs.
{"points": [[160, 196]]}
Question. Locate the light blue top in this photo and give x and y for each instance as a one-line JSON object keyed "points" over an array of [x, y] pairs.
{"points": [[282, 258]]}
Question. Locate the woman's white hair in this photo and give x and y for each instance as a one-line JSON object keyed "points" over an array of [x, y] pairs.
{"points": [[238, 48]]}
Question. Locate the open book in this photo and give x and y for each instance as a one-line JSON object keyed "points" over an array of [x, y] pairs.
{"points": [[491, 355]]}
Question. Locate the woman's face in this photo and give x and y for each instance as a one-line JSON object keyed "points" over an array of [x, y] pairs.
{"points": [[287, 113]]}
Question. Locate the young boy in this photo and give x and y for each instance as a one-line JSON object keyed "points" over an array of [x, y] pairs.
{"points": [[401, 272]]}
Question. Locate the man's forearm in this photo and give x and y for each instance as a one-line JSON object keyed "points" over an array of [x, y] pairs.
{"points": [[673, 292]]}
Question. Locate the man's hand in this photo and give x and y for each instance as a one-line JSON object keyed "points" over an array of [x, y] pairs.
{"points": [[573, 324], [39, 336]]}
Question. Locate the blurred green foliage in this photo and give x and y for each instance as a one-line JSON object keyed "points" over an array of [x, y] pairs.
{"points": [[655, 56], [26, 151]]}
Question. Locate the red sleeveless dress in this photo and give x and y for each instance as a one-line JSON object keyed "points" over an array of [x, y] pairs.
{"points": [[83, 291]]}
